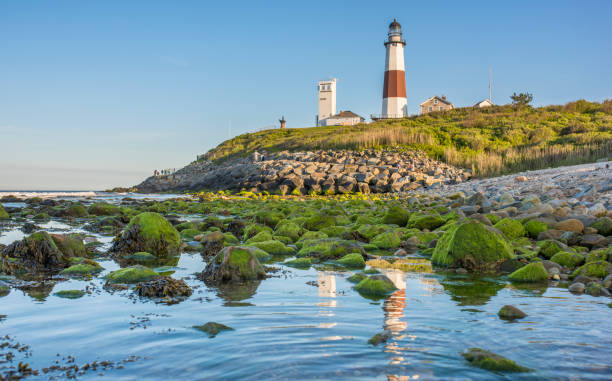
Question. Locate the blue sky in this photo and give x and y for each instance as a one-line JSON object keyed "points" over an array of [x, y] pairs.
{"points": [[97, 94]]}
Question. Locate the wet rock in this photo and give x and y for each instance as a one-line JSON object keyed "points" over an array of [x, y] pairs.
{"points": [[70, 245], [607, 282], [603, 226], [149, 232], [83, 268], [233, 264], [491, 361], [212, 328], [567, 259], [533, 272], [571, 238], [511, 228], [70, 294], [353, 261], [596, 269], [375, 286], [36, 253], [29, 228], [299, 263], [577, 287], [596, 289], [396, 215], [473, 246], [132, 274], [380, 338], [552, 247], [594, 241], [509, 312], [170, 290]]}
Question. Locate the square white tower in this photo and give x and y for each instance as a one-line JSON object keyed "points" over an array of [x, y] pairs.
{"points": [[327, 100]]}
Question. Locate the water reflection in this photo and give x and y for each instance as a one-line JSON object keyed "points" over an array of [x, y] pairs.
{"points": [[235, 292], [471, 291], [327, 284]]}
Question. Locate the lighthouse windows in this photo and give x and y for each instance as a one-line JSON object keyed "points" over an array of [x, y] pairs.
{"points": [[435, 102]]}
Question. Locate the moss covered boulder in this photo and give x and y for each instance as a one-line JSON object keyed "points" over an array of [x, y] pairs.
{"points": [[596, 269], [328, 248], [260, 237], [319, 222], [425, 221], [567, 259], [512, 229], [288, 229], [533, 272], [75, 211], [387, 240], [492, 361], [34, 254], [299, 263], [534, 228], [551, 247], [104, 209], [396, 215], [353, 261], [4, 214], [70, 294], [70, 245], [375, 286], [234, 264], [149, 232], [82, 268], [273, 247], [603, 226], [473, 246], [189, 234], [132, 274]]}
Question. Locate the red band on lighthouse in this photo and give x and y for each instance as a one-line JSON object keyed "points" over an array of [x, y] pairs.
{"points": [[394, 84]]}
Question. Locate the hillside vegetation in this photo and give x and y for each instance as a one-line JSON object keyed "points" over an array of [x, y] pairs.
{"points": [[490, 141]]}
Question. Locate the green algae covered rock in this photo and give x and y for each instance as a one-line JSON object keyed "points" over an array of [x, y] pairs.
{"points": [[597, 255], [34, 254], [188, 234], [252, 230], [380, 338], [212, 329], [261, 255], [510, 312], [299, 263], [370, 231], [76, 211], [84, 267], [387, 240], [234, 264], [473, 246], [142, 256], [132, 274], [532, 272], [597, 269], [273, 247], [375, 286], [70, 245], [70, 294], [511, 228], [356, 278], [425, 221], [4, 214], [568, 259], [328, 248], [492, 361], [288, 229], [319, 221], [534, 228], [551, 247], [149, 232], [104, 209], [396, 215], [603, 225], [310, 236], [262, 236], [353, 261]]}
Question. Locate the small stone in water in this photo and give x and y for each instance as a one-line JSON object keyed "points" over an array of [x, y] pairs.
{"points": [[509, 312], [213, 328], [380, 338], [577, 288]]}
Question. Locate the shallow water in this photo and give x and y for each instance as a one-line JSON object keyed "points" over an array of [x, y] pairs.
{"points": [[310, 324]]}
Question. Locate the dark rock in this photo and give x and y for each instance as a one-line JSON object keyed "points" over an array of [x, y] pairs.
{"points": [[509, 312]]}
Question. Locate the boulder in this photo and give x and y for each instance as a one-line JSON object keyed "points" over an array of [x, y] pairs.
{"points": [[169, 289], [473, 246], [603, 226], [567, 259], [375, 286], [34, 254], [570, 225], [234, 264], [509, 312], [131, 274], [149, 232], [492, 361], [353, 260], [396, 215], [511, 228], [533, 272]]}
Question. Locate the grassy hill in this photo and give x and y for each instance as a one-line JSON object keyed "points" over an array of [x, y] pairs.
{"points": [[490, 141]]}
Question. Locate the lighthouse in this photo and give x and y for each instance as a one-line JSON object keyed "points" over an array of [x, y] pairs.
{"points": [[394, 86]]}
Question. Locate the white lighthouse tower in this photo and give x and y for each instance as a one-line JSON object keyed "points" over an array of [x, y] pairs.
{"points": [[394, 87]]}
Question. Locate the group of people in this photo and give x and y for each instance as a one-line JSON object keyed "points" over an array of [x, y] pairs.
{"points": [[163, 172], [258, 156]]}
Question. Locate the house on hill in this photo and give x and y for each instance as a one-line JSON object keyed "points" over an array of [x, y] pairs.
{"points": [[436, 103], [344, 118], [484, 103]]}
